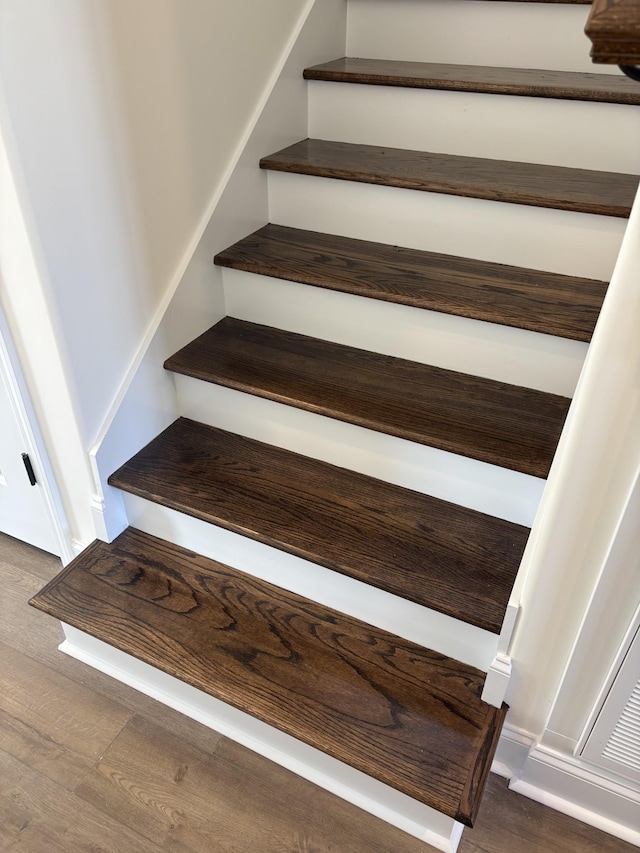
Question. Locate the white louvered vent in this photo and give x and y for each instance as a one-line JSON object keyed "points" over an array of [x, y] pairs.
{"points": [[614, 741], [624, 743]]}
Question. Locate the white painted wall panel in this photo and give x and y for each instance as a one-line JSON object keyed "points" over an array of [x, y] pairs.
{"points": [[515, 356], [477, 485], [520, 35], [124, 124], [556, 240], [500, 127]]}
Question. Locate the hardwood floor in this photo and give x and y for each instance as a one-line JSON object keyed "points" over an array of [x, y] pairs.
{"points": [[87, 764]]}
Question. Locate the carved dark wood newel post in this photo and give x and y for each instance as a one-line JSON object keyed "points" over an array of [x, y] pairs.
{"points": [[614, 29]]}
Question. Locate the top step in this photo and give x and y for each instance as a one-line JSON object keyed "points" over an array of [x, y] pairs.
{"points": [[558, 187], [568, 85]]}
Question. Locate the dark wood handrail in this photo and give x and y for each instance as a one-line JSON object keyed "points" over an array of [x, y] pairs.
{"points": [[614, 29]]}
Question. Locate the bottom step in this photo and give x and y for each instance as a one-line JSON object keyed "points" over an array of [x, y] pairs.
{"points": [[407, 716]]}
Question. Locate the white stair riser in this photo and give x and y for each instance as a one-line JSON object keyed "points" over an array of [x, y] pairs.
{"points": [[435, 829], [467, 482], [555, 240], [518, 35], [515, 356], [501, 127], [403, 618]]}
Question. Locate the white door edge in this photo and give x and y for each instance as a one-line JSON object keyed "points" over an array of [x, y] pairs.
{"points": [[11, 374]]}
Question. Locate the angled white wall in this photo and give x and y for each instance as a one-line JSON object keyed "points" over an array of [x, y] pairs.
{"points": [[122, 121]]}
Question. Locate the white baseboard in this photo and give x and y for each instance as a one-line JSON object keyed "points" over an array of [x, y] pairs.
{"points": [[564, 783], [569, 785], [441, 832]]}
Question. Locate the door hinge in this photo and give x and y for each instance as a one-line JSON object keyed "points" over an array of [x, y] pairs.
{"points": [[30, 472]]}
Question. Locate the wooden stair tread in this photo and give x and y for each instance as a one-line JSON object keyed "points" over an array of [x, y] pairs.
{"points": [[505, 425], [473, 78], [400, 713], [566, 306], [439, 555], [559, 187]]}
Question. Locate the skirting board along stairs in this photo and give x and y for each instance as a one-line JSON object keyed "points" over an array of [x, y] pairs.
{"points": [[340, 675]]}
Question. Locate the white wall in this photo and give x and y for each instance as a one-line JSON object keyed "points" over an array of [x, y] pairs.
{"points": [[121, 127], [587, 493]]}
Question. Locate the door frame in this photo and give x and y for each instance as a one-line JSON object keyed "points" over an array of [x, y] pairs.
{"points": [[22, 407]]}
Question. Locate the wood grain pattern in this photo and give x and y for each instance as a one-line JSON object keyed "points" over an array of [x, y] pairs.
{"points": [[553, 304], [566, 85], [440, 555], [64, 730], [558, 187], [407, 716], [37, 637], [505, 425], [614, 29], [237, 801], [39, 816]]}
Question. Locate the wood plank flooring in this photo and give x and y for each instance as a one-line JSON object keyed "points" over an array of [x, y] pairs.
{"points": [[386, 706], [553, 304], [505, 425], [251, 806], [568, 85], [440, 555], [558, 187]]}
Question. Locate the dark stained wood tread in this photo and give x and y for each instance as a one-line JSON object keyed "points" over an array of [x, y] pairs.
{"points": [[559, 187], [505, 425], [553, 304], [439, 555], [568, 85], [405, 715]]}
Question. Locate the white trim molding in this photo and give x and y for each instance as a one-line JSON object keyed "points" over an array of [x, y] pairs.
{"points": [[497, 680], [20, 401], [568, 784]]}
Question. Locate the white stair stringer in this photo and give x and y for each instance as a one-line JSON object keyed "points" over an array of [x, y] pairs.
{"points": [[421, 625], [559, 241], [500, 127], [472, 32], [486, 488], [493, 351], [435, 829]]}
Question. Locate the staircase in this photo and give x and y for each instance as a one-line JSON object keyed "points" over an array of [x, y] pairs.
{"points": [[365, 438]]}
